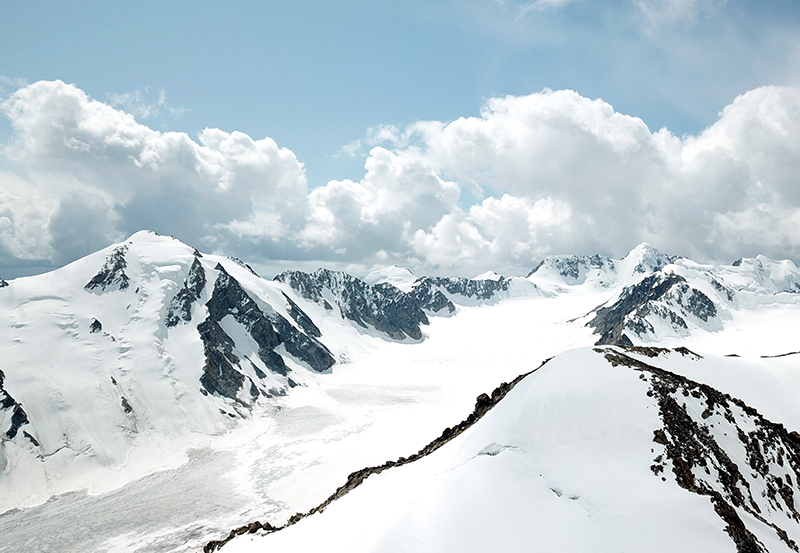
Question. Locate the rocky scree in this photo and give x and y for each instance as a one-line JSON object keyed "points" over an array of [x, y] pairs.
{"points": [[695, 417]]}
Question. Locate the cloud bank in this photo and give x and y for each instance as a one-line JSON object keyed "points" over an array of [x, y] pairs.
{"points": [[551, 172]]}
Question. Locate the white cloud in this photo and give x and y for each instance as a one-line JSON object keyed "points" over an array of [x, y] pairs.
{"points": [[68, 147], [136, 103], [551, 172], [400, 192], [668, 12], [542, 5], [573, 175]]}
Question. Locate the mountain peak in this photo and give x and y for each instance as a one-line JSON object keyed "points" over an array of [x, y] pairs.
{"points": [[488, 275], [644, 258], [399, 277]]}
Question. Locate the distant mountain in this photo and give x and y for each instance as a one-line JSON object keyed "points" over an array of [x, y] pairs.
{"points": [[597, 270], [149, 344], [683, 296], [172, 341], [399, 277]]}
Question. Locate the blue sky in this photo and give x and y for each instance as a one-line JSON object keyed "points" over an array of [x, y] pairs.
{"points": [[317, 76]]}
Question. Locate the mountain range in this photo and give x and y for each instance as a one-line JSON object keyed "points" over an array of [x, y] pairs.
{"points": [[150, 361]]}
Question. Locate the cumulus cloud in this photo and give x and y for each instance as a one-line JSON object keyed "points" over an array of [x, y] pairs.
{"points": [[557, 172], [92, 170], [399, 194], [551, 172], [136, 102]]}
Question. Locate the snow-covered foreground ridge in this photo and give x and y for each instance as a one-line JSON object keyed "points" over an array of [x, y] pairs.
{"points": [[122, 363], [606, 449]]}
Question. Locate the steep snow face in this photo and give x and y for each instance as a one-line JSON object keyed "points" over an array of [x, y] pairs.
{"points": [[145, 341], [644, 259], [572, 270], [598, 450], [399, 277], [488, 275]]}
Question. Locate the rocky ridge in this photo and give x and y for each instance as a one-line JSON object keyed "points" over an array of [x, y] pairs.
{"points": [[710, 444], [112, 275], [223, 373], [483, 404], [381, 306], [699, 424], [666, 297]]}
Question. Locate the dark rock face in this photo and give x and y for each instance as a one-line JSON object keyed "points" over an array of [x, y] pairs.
{"points": [[765, 482], [432, 300], [180, 308], [302, 319], [19, 417], [3, 283], [126, 406], [382, 306], [722, 289], [666, 296], [96, 326], [221, 373], [571, 267], [112, 275], [428, 291]]}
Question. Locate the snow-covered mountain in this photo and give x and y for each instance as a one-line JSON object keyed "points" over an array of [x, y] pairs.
{"points": [[608, 449], [150, 358]]}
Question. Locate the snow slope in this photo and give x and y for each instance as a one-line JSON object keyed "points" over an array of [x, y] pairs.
{"points": [[142, 382], [598, 450]]}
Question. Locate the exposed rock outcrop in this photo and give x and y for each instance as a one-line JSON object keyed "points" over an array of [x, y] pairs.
{"points": [[112, 275], [95, 326], [664, 296], [18, 417], [432, 292], [382, 306], [222, 374], [696, 417], [180, 308]]}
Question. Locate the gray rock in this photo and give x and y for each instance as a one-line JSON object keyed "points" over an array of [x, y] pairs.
{"points": [[381, 306], [667, 296], [112, 275], [221, 374], [180, 308]]}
